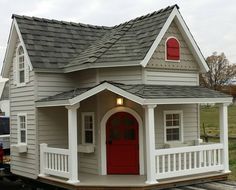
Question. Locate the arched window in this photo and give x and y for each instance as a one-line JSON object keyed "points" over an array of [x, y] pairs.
{"points": [[172, 49], [21, 65]]}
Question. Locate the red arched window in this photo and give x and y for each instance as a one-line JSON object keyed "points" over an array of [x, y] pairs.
{"points": [[172, 49]]}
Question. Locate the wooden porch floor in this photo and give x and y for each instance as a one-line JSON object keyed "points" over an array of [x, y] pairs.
{"points": [[131, 182]]}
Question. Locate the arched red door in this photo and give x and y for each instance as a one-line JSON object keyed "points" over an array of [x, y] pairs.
{"points": [[122, 144]]}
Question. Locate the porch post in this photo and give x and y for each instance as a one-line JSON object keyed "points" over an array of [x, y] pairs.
{"points": [[223, 109], [72, 138], [150, 143]]}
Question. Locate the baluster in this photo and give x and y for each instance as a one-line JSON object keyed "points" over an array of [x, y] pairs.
{"points": [[204, 158], [219, 157], [66, 163], [59, 162], [214, 157], [49, 161], [56, 165], [185, 161], [190, 161], [195, 159], [174, 162], [180, 162], [157, 164], [210, 157], [163, 164], [53, 161], [168, 160]]}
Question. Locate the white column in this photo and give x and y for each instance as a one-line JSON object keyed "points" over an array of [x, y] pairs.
{"points": [[150, 143], [72, 138], [223, 109], [43, 146]]}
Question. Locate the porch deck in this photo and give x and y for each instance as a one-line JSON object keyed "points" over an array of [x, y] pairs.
{"points": [[90, 181]]}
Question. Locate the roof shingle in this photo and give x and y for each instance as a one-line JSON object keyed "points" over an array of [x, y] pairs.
{"points": [[53, 44]]}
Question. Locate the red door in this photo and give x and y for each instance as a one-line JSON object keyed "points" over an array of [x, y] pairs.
{"points": [[122, 144]]}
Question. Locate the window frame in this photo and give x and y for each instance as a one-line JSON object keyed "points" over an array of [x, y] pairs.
{"points": [[19, 128], [83, 114], [181, 135], [18, 66], [170, 60]]}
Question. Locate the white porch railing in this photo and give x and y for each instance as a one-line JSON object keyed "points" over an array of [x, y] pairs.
{"points": [[54, 161], [175, 162]]}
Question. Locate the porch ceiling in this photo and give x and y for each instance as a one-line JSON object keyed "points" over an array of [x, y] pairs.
{"points": [[140, 93]]}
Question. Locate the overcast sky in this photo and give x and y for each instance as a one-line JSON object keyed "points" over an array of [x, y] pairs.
{"points": [[212, 22]]}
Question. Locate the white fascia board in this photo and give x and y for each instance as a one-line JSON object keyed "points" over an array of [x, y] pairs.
{"points": [[181, 25], [9, 52], [22, 43], [105, 86], [194, 47], [187, 101], [10, 49], [52, 103], [158, 39]]}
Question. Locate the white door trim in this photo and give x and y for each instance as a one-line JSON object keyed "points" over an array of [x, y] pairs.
{"points": [[103, 138]]}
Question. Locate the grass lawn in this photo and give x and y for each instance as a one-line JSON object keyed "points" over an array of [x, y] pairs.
{"points": [[210, 119]]}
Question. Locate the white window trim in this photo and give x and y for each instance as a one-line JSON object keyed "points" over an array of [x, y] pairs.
{"points": [[181, 126], [18, 84], [168, 60], [18, 128], [83, 127]]}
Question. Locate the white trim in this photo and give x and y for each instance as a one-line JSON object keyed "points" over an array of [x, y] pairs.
{"points": [[167, 60], [23, 44], [17, 77], [184, 29], [83, 114], [180, 112], [19, 129], [103, 137]]}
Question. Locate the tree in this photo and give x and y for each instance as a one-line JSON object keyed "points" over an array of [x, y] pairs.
{"points": [[220, 72]]}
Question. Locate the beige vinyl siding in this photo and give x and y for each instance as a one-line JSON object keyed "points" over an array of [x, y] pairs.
{"points": [[88, 162], [49, 84], [190, 122], [126, 75], [85, 78], [53, 127], [156, 77], [22, 101]]}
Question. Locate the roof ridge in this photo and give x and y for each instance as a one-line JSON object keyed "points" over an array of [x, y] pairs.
{"points": [[41, 19], [54, 21], [149, 14]]}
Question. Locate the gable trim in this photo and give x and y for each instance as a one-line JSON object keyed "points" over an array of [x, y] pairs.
{"points": [[182, 26], [9, 51]]}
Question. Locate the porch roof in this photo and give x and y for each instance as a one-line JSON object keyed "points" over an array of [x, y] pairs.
{"points": [[141, 93]]}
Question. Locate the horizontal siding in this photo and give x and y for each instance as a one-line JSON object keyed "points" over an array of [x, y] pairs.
{"points": [[190, 122], [22, 101], [52, 127], [170, 78], [49, 84], [85, 78], [127, 75]]}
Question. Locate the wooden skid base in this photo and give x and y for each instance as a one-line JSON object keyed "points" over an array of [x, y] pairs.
{"points": [[163, 184]]}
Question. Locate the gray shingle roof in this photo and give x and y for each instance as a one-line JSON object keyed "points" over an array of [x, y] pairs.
{"points": [[149, 92], [55, 44]]}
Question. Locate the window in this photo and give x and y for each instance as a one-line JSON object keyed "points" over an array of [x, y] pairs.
{"points": [[21, 65], [22, 128], [172, 49], [88, 127], [173, 126]]}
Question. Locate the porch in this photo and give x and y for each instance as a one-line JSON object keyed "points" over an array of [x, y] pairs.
{"points": [[157, 163], [131, 182]]}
